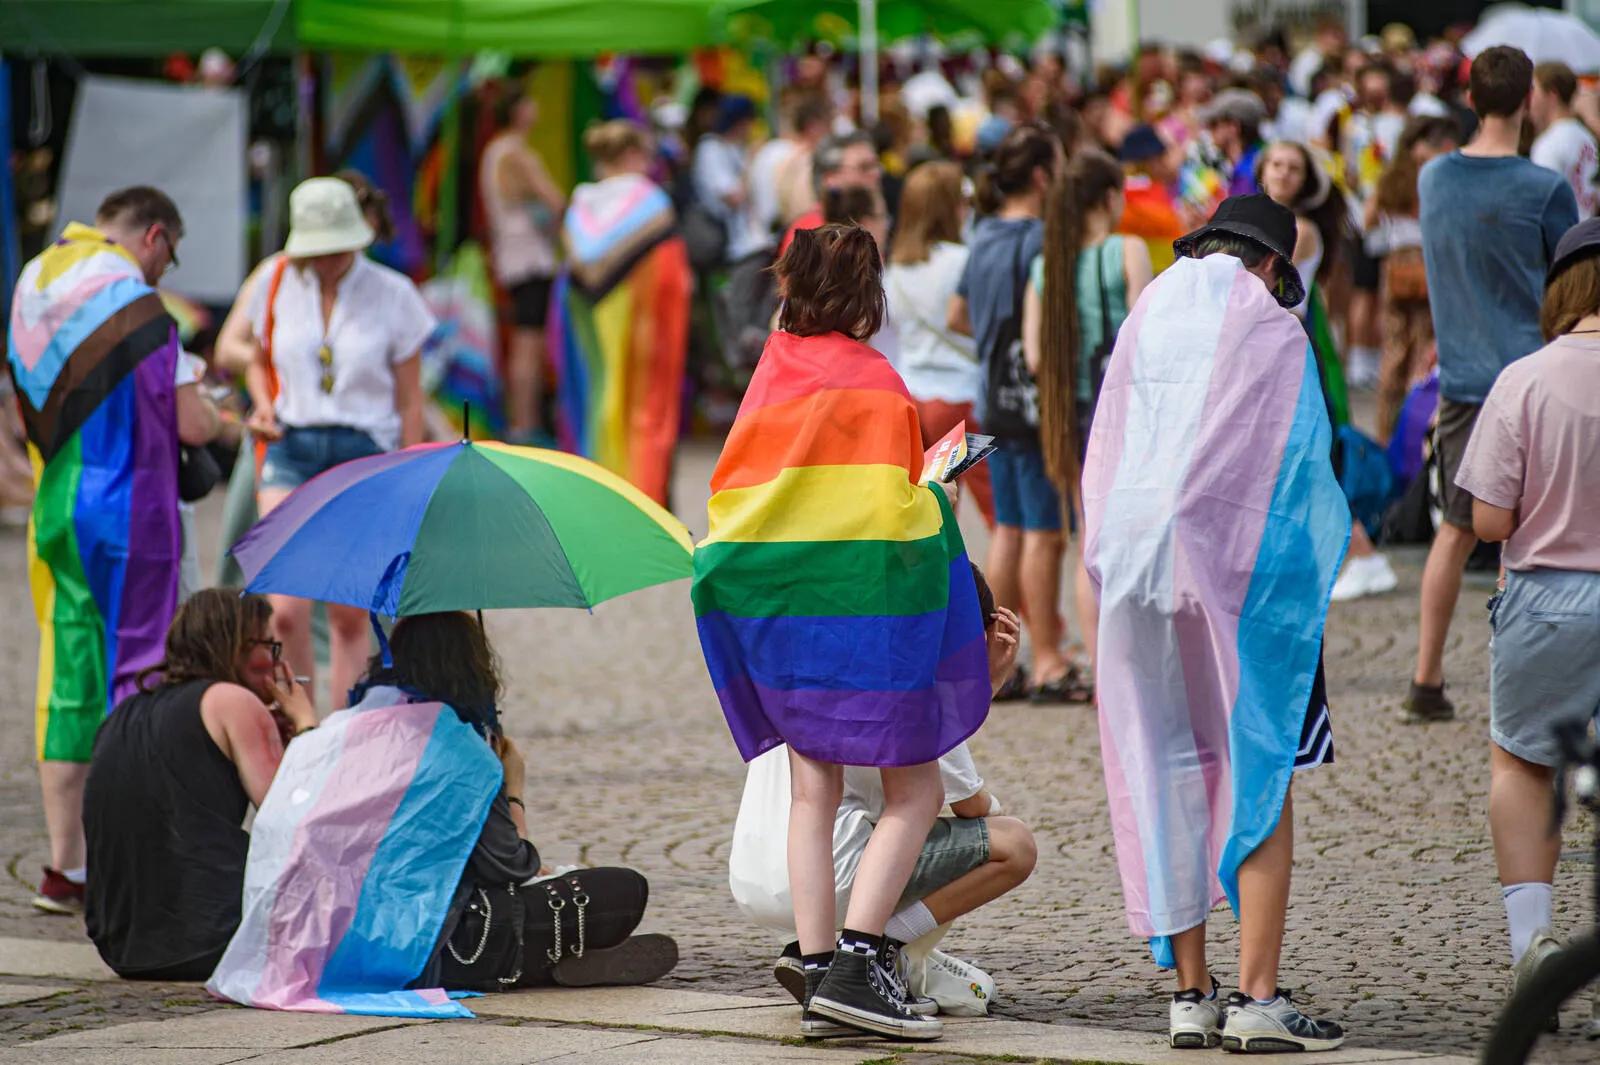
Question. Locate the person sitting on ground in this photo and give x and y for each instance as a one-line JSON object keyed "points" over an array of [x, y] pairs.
{"points": [[174, 769], [970, 858], [447, 658]]}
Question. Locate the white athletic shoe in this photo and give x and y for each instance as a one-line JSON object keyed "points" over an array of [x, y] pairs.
{"points": [[1370, 575], [1265, 1028], [1542, 947], [1196, 1021]]}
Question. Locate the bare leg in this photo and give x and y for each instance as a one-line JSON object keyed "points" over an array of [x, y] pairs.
{"points": [[1041, 593], [1012, 854], [291, 626], [1441, 587], [1189, 950], [1519, 816], [349, 647], [524, 360], [815, 791], [1360, 543], [912, 797], [62, 786], [1264, 905], [1003, 565]]}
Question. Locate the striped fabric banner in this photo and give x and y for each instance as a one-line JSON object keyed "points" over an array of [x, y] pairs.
{"points": [[1215, 531], [355, 856], [619, 330], [835, 603], [93, 354]]}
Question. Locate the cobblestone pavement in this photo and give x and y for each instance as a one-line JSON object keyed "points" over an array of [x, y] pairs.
{"points": [[1395, 928]]}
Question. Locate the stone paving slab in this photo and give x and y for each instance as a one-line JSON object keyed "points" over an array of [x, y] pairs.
{"points": [[242, 1029], [452, 1043], [37, 957], [13, 994], [34, 1054]]}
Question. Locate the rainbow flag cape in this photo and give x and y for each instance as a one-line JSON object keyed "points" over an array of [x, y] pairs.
{"points": [[355, 856], [1215, 528], [93, 354], [620, 332], [834, 600]]}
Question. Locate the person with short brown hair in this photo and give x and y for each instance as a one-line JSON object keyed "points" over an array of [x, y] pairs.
{"points": [[1484, 285], [1564, 144]]}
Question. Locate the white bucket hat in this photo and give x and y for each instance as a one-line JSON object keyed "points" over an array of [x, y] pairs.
{"points": [[325, 219]]}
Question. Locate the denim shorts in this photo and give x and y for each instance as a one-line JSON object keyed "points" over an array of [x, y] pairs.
{"points": [[1544, 640], [955, 847], [1023, 493], [303, 453]]}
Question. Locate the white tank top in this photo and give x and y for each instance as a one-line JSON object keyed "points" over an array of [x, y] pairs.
{"points": [[520, 248]]}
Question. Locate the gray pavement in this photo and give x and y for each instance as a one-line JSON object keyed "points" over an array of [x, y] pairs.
{"points": [[1395, 929]]}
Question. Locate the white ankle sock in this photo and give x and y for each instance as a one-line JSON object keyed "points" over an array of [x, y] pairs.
{"points": [[913, 922], [1527, 912], [76, 876]]}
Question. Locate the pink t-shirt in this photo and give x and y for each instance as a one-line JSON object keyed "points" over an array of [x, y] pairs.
{"points": [[1536, 450]]}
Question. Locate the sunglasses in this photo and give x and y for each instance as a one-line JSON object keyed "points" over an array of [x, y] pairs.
{"points": [[172, 250], [325, 360], [274, 646]]}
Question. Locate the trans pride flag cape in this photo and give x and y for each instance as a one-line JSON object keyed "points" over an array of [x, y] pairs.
{"points": [[1215, 531], [93, 354], [835, 603], [354, 859], [619, 334]]}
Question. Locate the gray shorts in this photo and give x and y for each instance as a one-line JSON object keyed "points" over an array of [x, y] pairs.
{"points": [[1450, 436], [955, 847], [1543, 646]]}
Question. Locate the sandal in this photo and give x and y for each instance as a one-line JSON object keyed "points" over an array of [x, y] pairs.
{"points": [[1071, 687], [1015, 689]]}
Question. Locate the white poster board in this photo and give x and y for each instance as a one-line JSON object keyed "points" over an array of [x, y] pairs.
{"points": [[187, 141]]}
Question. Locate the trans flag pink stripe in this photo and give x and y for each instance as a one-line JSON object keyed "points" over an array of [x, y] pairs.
{"points": [[1214, 528]]}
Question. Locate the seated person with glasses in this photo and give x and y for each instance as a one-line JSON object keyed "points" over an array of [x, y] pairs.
{"points": [[175, 767]]}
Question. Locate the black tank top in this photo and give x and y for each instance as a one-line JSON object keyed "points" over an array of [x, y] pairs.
{"points": [[163, 812]]}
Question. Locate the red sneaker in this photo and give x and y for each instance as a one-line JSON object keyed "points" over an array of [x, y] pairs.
{"points": [[59, 895]]}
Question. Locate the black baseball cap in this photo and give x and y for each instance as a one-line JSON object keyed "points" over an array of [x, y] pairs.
{"points": [[1579, 242]]}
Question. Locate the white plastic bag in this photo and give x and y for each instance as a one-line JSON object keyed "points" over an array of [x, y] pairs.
{"points": [[960, 988]]}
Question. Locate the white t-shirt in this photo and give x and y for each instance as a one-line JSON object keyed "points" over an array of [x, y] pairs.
{"points": [[935, 363], [379, 320], [719, 169], [1568, 148], [863, 786], [764, 181]]}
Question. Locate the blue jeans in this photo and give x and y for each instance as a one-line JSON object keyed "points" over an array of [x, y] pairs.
{"points": [[303, 453]]}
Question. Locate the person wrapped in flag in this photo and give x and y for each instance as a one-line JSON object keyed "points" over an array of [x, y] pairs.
{"points": [[838, 614], [1215, 528], [620, 331], [96, 363]]}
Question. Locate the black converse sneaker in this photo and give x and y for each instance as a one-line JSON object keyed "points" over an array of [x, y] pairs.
{"points": [[856, 992], [813, 1026], [1273, 1027], [790, 972], [893, 959]]}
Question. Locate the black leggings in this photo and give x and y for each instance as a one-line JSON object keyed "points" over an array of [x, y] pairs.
{"points": [[616, 902]]}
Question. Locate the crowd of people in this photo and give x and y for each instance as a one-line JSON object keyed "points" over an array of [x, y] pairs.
{"points": [[1157, 292]]}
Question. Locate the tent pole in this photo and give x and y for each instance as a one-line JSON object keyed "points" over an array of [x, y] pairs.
{"points": [[867, 36]]}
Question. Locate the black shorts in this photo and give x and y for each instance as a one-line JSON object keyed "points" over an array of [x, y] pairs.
{"points": [[1364, 268], [530, 302]]}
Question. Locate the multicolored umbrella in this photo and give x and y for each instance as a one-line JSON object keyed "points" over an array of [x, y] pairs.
{"points": [[464, 526]]}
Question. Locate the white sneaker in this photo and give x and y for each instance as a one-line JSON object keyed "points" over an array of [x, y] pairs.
{"points": [[1362, 369], [1368, 575], [1195, 1020], [1542, 947], [1264, 1028]]}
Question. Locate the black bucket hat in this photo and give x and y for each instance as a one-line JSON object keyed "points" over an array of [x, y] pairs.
{"points": [[1261, 219], [1579, 242]]}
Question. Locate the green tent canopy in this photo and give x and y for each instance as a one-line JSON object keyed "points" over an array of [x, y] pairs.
{"points": [[993, 20], [144, 27]]}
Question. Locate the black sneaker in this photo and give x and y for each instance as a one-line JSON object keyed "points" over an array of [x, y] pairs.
{"points": [[813, 1026], [1275, 1027], [790, 972], [1425, 703], [893, 960], [856, 992]]}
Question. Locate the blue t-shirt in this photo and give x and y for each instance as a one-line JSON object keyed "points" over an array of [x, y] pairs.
{"points": [[1489, 231], [993, 285]]}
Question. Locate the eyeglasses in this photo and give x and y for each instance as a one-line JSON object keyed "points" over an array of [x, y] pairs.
{"points": [[325, 359], [172, 250], [274, 646]]}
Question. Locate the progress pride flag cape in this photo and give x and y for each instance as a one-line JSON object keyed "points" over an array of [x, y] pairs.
{"points": [[834, 600], [1215, 531], [355, 856]]}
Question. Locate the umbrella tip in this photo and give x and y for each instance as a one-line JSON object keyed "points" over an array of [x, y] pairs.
{"points": [[466, 423]]}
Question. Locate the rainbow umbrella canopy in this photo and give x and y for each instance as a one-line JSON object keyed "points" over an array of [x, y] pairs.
{"points": [[464, 526]]}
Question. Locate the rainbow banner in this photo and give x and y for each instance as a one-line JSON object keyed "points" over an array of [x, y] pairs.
{"points": [[94, 354], [835, 603], [619, 336], [355, 856], [1215, 528]]}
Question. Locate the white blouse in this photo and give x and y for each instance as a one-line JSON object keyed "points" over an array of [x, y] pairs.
{"points": [[379, 320]]}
